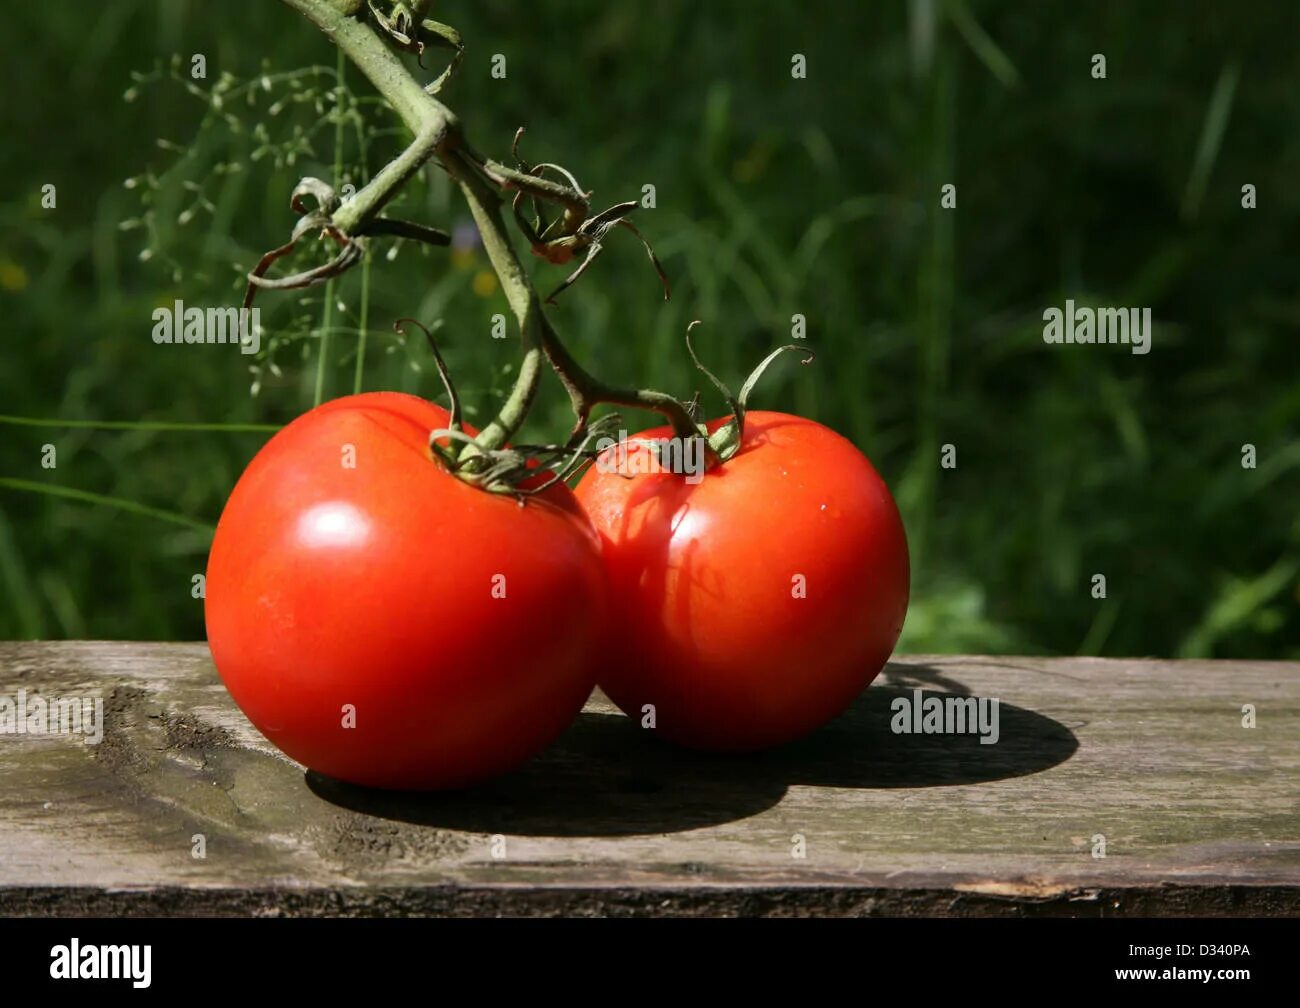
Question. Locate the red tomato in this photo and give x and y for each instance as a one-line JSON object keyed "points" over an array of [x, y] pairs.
{"points": [[385, 623], [752, 606]]}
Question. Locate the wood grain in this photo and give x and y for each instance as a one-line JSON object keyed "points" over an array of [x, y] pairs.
{"points": [[1199, 813]]}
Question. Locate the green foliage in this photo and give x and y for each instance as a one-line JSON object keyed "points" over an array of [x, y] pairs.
{"points": [[775, 196]]}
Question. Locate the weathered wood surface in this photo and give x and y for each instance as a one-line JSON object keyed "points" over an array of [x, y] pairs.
{"points": [[1199, 813]]}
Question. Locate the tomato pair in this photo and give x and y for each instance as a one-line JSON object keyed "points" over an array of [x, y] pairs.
{"points": [[387, 624]]}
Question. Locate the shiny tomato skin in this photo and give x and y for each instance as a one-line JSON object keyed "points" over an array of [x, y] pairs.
{"points": [[352, 580], [706, 579]]}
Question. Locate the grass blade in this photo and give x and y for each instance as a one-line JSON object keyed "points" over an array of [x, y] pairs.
{"points": [[85, 496]]}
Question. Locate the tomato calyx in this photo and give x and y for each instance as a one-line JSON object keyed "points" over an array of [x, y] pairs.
{"points": [[727, 439], [518, 470]]}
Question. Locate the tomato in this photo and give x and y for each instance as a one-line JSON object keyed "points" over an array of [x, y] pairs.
{"points": [[385, 623], [755, 604]]}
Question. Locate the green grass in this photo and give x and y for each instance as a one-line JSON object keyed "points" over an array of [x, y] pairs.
{"points": [[775, 197]]}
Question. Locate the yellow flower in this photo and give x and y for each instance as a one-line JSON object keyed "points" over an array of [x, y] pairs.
{"points": [[12, 276], [485, 283]]}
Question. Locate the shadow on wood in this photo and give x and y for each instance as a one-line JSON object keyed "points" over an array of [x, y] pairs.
{"points": [[607, 777]]}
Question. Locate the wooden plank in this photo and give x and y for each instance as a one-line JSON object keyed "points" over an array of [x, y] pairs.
{"points": [[1199, 813]]}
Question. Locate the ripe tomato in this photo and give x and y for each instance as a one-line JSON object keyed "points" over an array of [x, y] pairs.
{"points": [[385, 623], [752, 606]]}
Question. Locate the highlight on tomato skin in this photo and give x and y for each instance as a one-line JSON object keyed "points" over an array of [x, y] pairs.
{"points": [[387, 624], [753, 605]]}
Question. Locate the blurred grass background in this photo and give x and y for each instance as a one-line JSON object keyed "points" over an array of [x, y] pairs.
{"points": [[775, 196]]}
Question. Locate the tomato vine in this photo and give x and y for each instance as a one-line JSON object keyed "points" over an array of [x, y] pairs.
{"points": [[371, 38]]}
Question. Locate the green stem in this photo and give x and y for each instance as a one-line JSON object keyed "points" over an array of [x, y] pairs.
{"points": [[366, 204], [586, 390], [363, 319], [362, 323], [327, 317], [508, 178], [523, 301]]}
